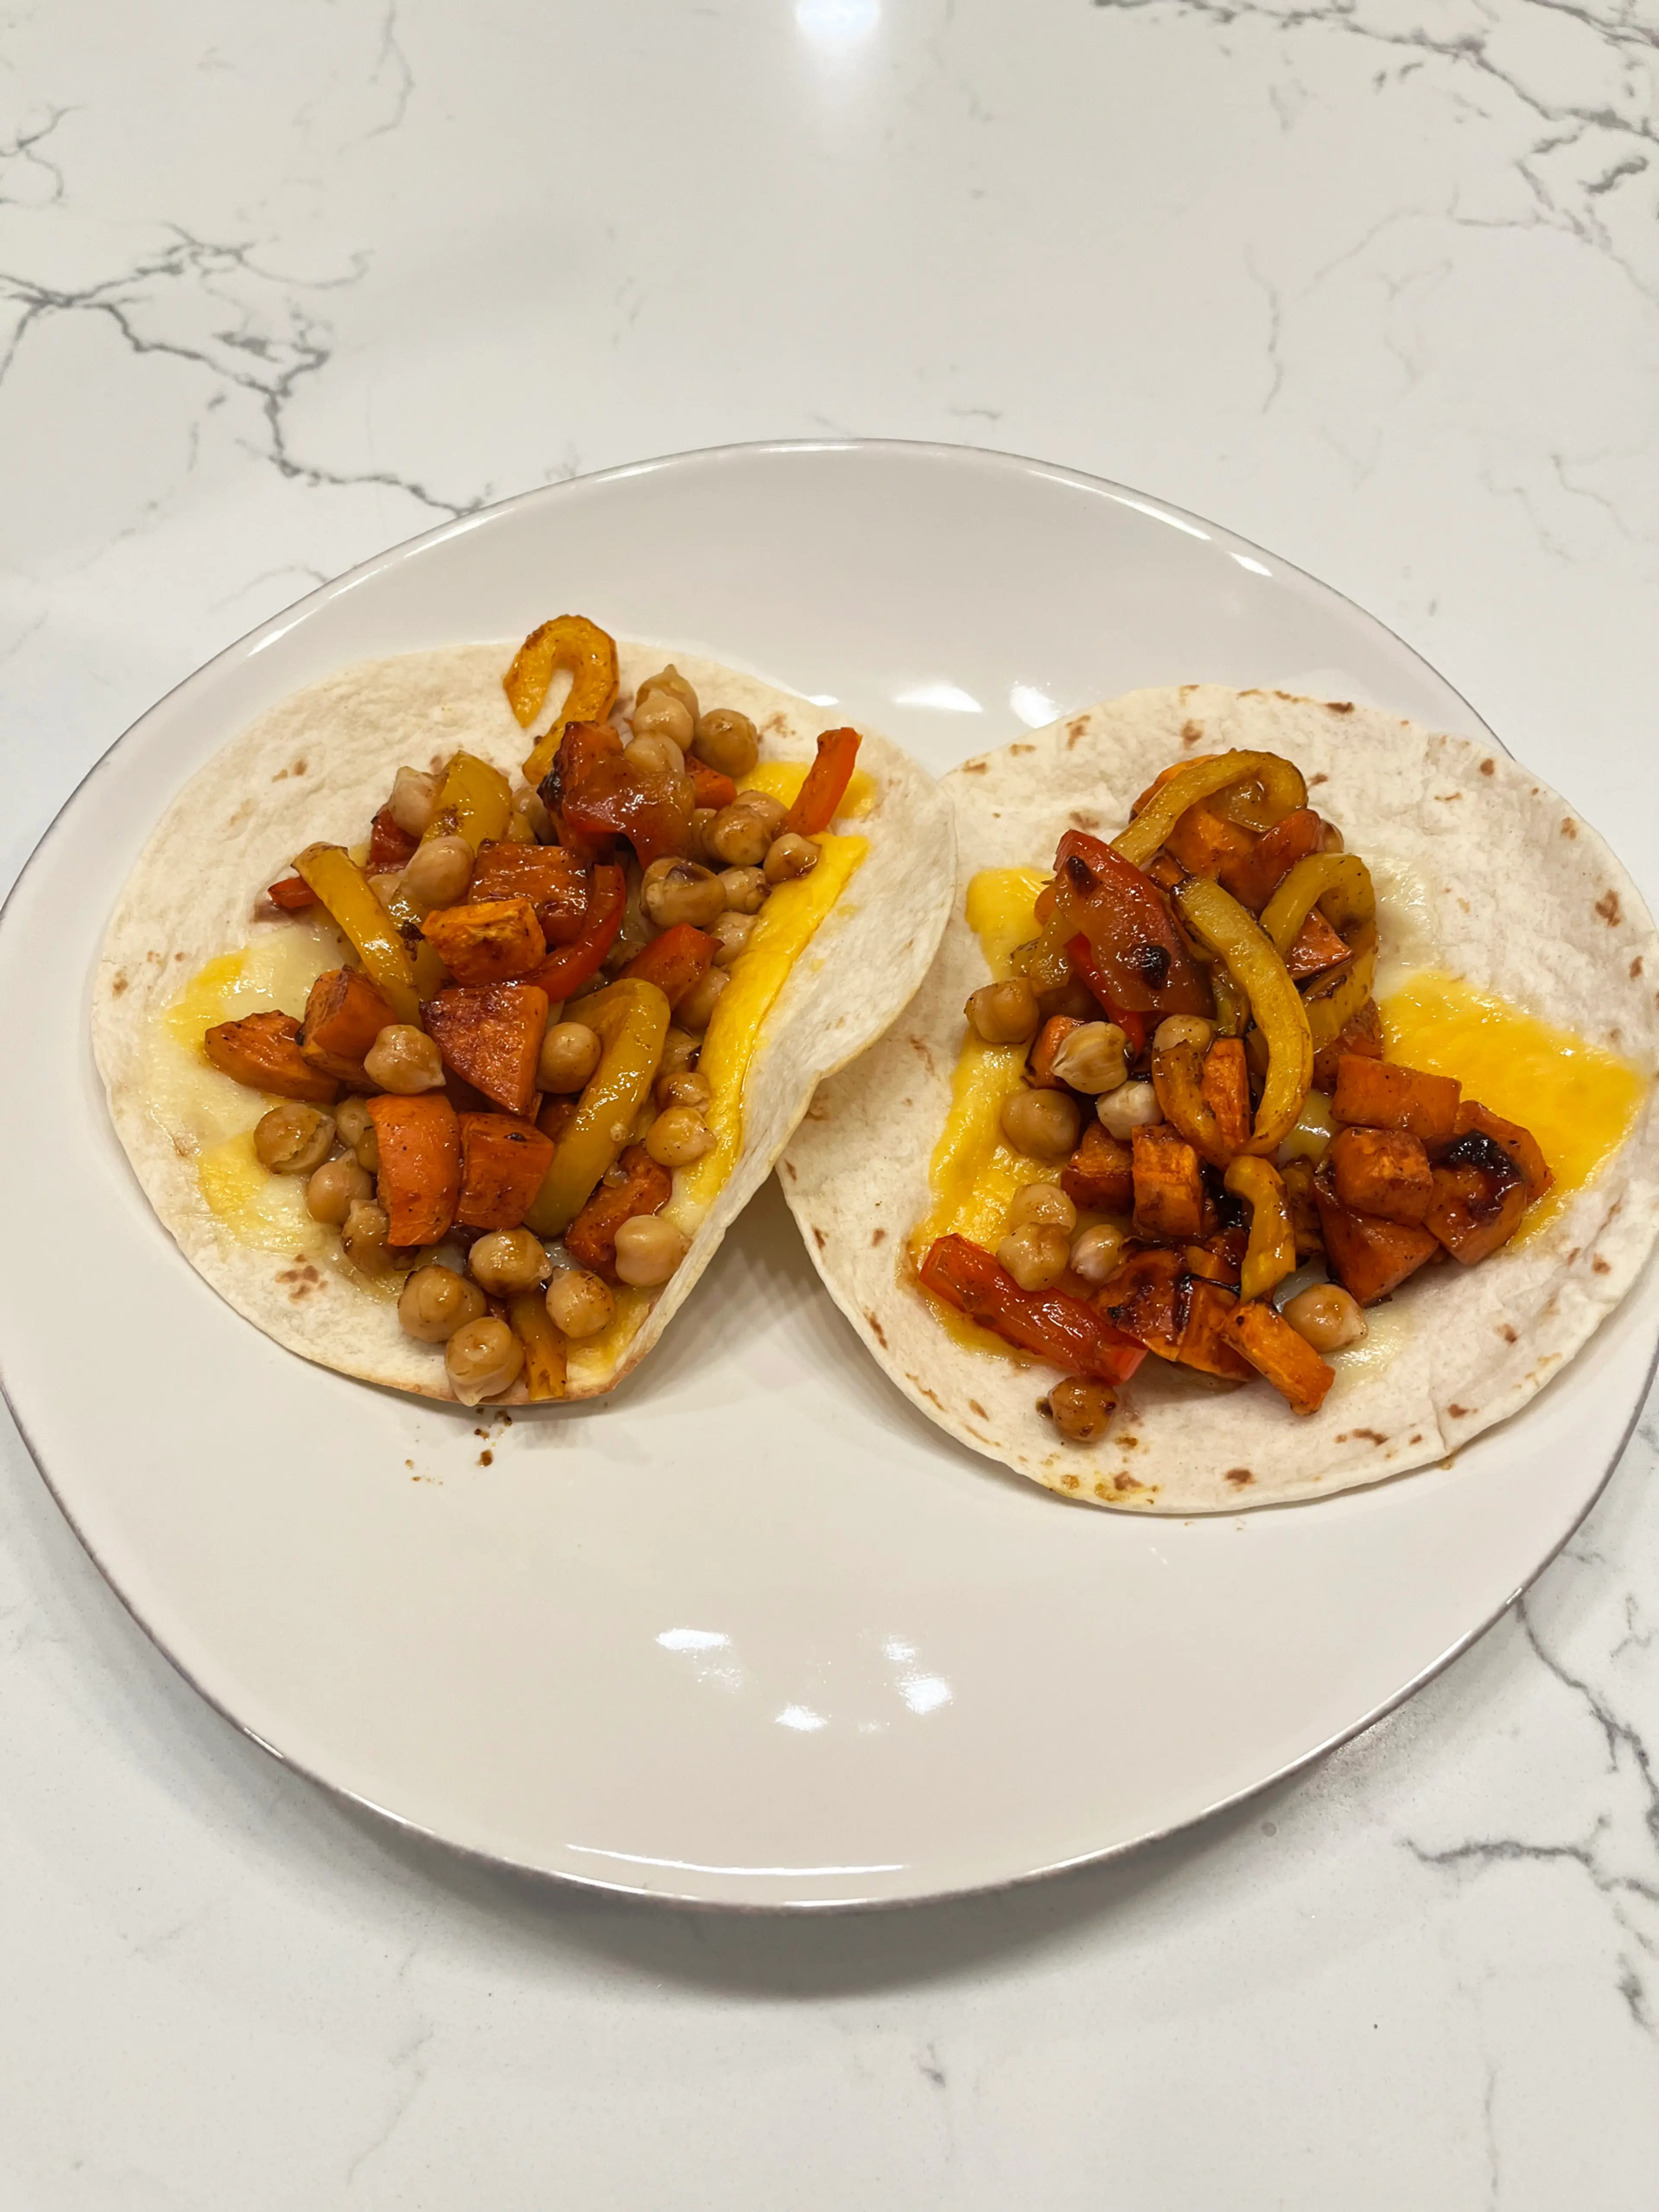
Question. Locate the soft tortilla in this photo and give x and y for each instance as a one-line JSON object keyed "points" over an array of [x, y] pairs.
{"points": [[1507, 888], [317, 767]]}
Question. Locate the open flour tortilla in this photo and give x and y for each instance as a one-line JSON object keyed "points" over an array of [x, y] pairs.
{"points": [[317, 767], [1481, 871]]}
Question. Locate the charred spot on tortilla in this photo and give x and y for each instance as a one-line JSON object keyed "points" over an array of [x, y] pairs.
{"points": [[879, 1332], [1569, 827], [1192, 733], [1506, 1332], [819, 1236], [1489, 767], [975, 768], [974, 1407], [1339, 706], [1460, 1413], [1321, 778], [1636, 968], [878, 1236], [119, 985], [1239, 1476], [1609, 910], [1600, 1266]]}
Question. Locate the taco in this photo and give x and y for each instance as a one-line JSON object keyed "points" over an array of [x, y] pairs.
{"points": [[1277, 1115], [447, 1034]]}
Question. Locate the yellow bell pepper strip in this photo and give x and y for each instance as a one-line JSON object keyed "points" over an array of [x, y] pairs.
{"points": [[1281, 781], [544, 1347], [1270, 1255], [474, 801], [341, 886], [568, 641], [631, 1018], [1178, 1079], [1340, 886], [1217, 920], [430, 973]]}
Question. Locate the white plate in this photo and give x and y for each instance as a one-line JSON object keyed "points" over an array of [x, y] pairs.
{"points": [[751, 1633]]}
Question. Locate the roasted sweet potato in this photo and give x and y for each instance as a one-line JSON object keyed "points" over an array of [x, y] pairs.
{"points": [[1169, 1189], [1218, 1258], [1039, 1060], [344, 1014], [389, 846], [1317, 949], [591, 1239], [263, 1051], [491, 1035], [555, 883], [419, 1179], [1382, 1171], [1273, 1347], [1478, 1197], [1254, 880], [1297, 1178], [1369, 1257], [1363, 1034], [1376, 1094], [708, 787], [1520, 1144], [1140, 1300], [1097, 1178], [293, 894], [1205, 844], [502, 1164], [676, 962], [487, 940], [1207, 1341], [555, 1117], [1226, 1091]]}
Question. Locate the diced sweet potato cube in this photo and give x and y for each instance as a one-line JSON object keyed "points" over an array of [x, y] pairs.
{"points": [[1369, 1257], [263, 1051], [555, 883], [1098, 1177], [1206, 1340], [1478, 1197], [344, 1014], [1219, 1258], [1520, 1144], [389, 845], [1273, 1347], [487, 940], [419, 1179], [556, 1116], [1317, 949], [1169, 1189], [1204, 844], [591, 1239], [491, 1035], [1253, 881], [1039, 1060], [1297, 1178], [1382, 1171], [1376, 1094], [1140, 1300], [1362, 1035], [1225, 1086], [502, 1164]]}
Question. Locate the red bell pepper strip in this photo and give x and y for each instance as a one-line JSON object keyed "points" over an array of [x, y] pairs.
{"points": [[573, 964], [650, 807], [1051, 1324], [1137, 946], [826, 783], [674, 961], [582, 746], [294, 895], [1081, 954], [708, 787]]}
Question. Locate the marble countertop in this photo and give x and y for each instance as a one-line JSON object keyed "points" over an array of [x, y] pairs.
{"points": [[1373, 281]]}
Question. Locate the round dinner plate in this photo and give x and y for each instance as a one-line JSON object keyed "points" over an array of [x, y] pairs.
{"points": [[750, 1631]]}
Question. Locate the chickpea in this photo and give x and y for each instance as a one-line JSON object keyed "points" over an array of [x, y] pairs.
{"points": [[354, 1127], [687, 1088], [1004, 1013], [701, 818], [1035, 1255], [790, 856], [1132, 1106], [738, 836], [386, 886], [1071, 997], [1310, 1139], [679, 1050], [1325, 1317], [1081, 1408], [334, 1187], [745, 890], [363, 1235], [731, 932], [508, 1261], [1097, 1254], [579, 1304], [661, 719], [669, 680], [648, 1250], [413, 797], [678, 1137], [436, 1302], [529, 806], [1182, 1029], [727, 740], [1330, 838], [761, 804], [1094, 1057], [482, 1359], [697, 1009], [293, 1140], [570, 1052], [438, 872], [1044, 1123], [655, 756], [404, 1059], [1044, 1203], [682, 890]]}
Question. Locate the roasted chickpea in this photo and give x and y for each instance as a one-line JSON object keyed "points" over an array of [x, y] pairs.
{"points": [[1044, 1203], [1097, 1253], [508, 1261], [673, 891], [789, 856], [1330, 838], [1182, 1029], [570, 1052], [438, 872], [648, 1250], [1042, 1123], [354, 1128], [363, 1236], [661, 719], [1310, 1139], [1071, 997], [482, 1359], [761, 804], [679, 1050], [334, 1187], [404, 1059], [1081, 1408], [731, 932], [745, 890], [1035, 1255], [1132, 1106], [436, 1302], [578, 1304], [678, 1137], [701, 818], [695, 1010], [655, 756], [727, 740], [293, 1140], [1094, 1057], [1325, 1317], [738, 836], [414, 795], [1004, 1013], [529, 805], [669, 679], [687, 1088]]}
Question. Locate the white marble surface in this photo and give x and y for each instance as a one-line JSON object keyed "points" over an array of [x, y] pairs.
{"points": [[1375, 282]]}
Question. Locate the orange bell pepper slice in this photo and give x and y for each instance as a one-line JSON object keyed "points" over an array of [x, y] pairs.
{"points": [[826, 783], [568, 641]]}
